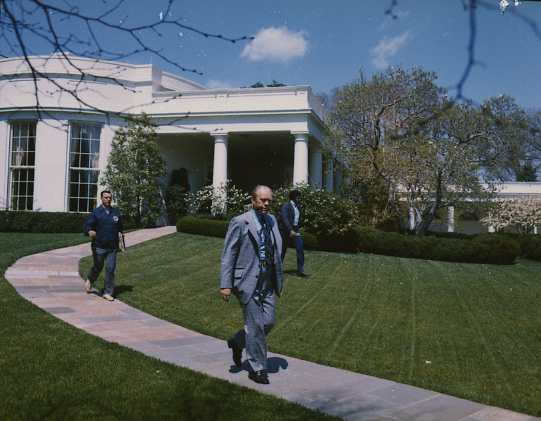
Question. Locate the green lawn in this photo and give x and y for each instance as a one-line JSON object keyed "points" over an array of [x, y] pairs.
{"points": [[472, 331], [50, 370]]}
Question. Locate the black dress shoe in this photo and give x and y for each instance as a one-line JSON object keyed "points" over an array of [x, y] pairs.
{"points": [[302, 274], [258, 377], [237, 352]]}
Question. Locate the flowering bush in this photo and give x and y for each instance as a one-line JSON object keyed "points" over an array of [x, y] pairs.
{"points": [[522, 215], [323, 213], [220, 200]]}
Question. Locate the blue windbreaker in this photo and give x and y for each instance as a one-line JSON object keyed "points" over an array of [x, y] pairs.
{"points": [[107, 226]]}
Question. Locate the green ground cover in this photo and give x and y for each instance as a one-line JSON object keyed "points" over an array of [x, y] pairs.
{"points": [[50, 370], [468, 330]]}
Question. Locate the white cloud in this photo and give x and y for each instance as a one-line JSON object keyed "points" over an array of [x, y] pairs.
{"points": [[388, 48], [276, 44], [218, 84]]}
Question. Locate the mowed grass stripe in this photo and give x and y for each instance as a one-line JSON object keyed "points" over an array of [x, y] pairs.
{"points": [[52, 370], [468, 330]]}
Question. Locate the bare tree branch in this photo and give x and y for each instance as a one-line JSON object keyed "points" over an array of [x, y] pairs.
{"points": [[24, 21]]}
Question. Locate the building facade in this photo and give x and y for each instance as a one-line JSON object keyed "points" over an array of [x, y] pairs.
{"points": [[58, 116]]}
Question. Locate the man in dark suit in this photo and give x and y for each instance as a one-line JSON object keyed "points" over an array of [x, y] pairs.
{"points": [[103, 225], [251, 269], [289, 228]]}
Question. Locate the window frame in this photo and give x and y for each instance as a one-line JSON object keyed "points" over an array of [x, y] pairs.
{"points": [[28, 168], [84, 163]]}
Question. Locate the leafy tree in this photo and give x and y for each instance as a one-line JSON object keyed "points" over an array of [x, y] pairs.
{"points": [[527, 173], [399, 127], [328, 99], [46, 24], [274, 84], [522, 215], [135, 169], [510, 147]]}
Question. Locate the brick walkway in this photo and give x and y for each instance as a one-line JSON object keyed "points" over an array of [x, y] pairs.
{"points": [[51, 281]]}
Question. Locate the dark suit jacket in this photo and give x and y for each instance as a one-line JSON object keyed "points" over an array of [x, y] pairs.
{"points": [[240, 264], [287, 217]]}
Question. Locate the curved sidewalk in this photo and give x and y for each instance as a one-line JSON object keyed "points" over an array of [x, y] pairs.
{"points": [[51, 281]]}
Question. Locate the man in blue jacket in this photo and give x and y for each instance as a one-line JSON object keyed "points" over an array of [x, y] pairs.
{"points": [[103, 225], [289, 228]]}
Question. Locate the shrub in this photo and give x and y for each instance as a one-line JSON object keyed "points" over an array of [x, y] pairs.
{"points": [[345, 241], [309, 241], [530, 245], [41, 222], [214, 201], [208, 227], [322, 212], [496, 249], [48, 222], [455, 235], [214, 228], [485, 248]]}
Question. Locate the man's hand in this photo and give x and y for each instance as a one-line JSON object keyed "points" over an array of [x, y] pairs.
{"points": [[225, 293], [92, 233], [293, 233]]}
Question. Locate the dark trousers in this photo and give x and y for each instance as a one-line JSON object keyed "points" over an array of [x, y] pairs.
{"points": [[297, 242], [103, 256]]}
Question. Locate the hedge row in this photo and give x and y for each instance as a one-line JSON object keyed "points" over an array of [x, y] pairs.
{"points": [[48, 222], [213, 228], [484, 248], [530, 244], [202, 226], [41, 222]]}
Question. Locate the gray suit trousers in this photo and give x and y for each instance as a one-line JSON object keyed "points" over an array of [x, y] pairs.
{"points": [[259, 319]]}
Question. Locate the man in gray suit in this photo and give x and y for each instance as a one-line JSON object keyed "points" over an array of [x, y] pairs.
{"points": [[251, 269]]}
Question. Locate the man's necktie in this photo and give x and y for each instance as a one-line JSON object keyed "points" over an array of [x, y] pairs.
{"points": [[267, 240]]}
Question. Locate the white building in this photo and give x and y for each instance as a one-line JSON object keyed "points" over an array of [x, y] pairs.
{"points": [[57, 120], [506, 191]]}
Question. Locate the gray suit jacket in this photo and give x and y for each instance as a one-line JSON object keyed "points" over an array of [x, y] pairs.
{"points": [[240, 264]]}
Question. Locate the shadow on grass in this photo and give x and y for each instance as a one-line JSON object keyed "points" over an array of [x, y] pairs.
{"points": [[123, 288]]}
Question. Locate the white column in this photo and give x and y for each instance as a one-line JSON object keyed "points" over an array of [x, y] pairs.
{"points": [[316, 168], [328, 175], [451, 219], [220, 160], [300, 165], [219, 174]]}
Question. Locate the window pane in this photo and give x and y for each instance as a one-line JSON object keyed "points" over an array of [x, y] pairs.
{"points": [[31, 159], [96, 131], [32, 130], [23, 159], [75, 131], [85, 161], [84, 164]]}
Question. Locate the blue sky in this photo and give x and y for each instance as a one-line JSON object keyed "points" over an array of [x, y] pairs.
{"points": [[324, 43]]}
